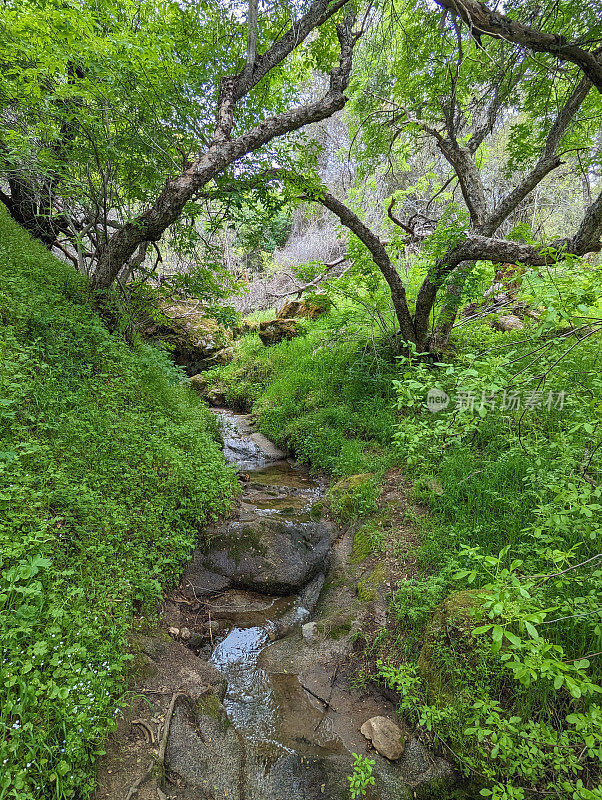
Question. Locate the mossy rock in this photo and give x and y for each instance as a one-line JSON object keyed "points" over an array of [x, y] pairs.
{"points": [[209, 705], [199, 382], [368, 540], [449, 648], [246, 326], [311, 307], [367, 588], [353, 496], [184, 329]]}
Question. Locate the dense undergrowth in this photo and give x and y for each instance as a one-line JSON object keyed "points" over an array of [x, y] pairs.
{"points": [[494, 644], [109, 467]]}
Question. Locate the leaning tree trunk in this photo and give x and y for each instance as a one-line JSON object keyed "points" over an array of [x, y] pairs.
{"points": [[223, 151]]}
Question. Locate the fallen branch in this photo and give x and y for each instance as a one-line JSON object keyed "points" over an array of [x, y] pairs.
{"points": [[299, 291]]}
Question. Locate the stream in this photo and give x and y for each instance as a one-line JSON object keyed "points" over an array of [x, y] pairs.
{"points": [[252, 680], [290, 714]]}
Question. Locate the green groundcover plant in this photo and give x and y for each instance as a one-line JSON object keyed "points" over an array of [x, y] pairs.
{"points": [[109, 467]]}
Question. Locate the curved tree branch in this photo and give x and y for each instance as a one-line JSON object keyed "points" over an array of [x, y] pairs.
{"points": [[492, 23]]}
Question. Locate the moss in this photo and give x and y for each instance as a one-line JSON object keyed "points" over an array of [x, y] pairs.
{"points": [[354, 496], [341, 630], [209, 705], [368, 540], [449, 649], [367, 588]]}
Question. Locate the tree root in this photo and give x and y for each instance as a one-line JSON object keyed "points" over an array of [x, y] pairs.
{"points": [[158, 762], [150, 738]]}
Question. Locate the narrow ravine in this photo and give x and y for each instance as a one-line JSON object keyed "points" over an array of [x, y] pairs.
{"points": [[259, 669]]}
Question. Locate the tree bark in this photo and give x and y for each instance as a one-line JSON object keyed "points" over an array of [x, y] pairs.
{"points": [[484, 21], [380, 258]]}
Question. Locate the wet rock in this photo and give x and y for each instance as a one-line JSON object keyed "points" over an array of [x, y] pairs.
{"points": [[508, 322], [268, 448], [275, 330], [263, 554], [387, 738], [196, 640], [216, 760]]}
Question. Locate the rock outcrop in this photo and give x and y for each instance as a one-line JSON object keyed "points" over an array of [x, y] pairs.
{"points": [[265, 555], [308, 308], [275, 330], [197, 342]]}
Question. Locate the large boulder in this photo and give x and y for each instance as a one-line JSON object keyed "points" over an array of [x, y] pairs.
{"points": [[265, 555], [194, 339], [310, 308], [275, 330]]}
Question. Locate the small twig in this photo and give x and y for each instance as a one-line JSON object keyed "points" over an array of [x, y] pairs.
{"points": [[159, 759]]}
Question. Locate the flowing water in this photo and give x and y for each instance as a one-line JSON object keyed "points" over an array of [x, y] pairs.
{"points": [[260, 704], [290, 718]]}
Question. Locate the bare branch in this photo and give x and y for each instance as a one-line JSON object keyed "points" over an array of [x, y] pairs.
{"points": [[379, 256], [547, 162]]}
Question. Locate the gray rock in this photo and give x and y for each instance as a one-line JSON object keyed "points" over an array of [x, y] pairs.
{"points": [[309, 631], [264, 554], [387, 738], [508, 322]]}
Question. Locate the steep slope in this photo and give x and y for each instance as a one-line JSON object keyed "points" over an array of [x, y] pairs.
{"points": [[109, 467]]}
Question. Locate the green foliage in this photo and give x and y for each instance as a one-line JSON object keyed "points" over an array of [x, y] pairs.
{"points": [[322, 395], [354, 497], [520, 516], [109, 468], [361, 777]]}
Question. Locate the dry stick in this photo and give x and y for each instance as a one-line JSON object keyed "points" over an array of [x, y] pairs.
{"points": [[160, 757], [568, 569]]}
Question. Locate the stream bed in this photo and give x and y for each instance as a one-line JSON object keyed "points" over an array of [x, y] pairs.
{"points": [[290, 716], [252, 682]]}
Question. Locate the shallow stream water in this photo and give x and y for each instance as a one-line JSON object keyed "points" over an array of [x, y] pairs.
{"points": [[267, 707]]}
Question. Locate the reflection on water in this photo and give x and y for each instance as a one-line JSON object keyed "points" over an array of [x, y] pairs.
{"points": [[249, 700]]}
